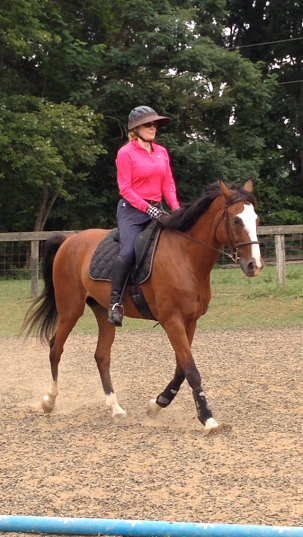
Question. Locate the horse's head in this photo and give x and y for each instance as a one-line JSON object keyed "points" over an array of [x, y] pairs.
{"points": [[238, 232]]}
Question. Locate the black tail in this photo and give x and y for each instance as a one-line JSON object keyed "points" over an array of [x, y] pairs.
{"points": [[41, 317]]}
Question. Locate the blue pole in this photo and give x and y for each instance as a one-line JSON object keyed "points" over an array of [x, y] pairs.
{"points": [[139, 528]]}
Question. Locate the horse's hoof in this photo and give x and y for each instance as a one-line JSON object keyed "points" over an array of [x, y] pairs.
{"points": [[152, 409], [47, 407], [119, 414], [213, 428], [210, 426]]}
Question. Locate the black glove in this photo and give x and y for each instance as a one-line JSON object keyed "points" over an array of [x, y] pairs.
{"points": [[154, 212]]}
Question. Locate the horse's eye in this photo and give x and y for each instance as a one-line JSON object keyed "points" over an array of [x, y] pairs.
{"points": [[237, 221]]}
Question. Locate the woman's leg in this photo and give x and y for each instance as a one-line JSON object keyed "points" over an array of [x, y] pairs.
{"points": [[130, 223]]}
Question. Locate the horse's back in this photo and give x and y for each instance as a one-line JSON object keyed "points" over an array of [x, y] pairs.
{"points": [[77, 249], [88, 238]]}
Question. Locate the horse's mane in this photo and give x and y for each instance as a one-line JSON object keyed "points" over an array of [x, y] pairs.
{"points": [[190, 212]]}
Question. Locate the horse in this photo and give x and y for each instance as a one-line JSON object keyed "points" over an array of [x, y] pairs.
{"points": [[177, 292]]}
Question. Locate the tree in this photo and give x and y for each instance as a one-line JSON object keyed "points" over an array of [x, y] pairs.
{"points": [[49, 136], [110, 57], [277, 24], [44, 148], [171, 56]]}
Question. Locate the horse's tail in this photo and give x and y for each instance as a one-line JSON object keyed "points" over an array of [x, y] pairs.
{"points": [[41, 317]]}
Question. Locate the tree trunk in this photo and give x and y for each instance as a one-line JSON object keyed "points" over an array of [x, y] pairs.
{"points": [[45, 208]]}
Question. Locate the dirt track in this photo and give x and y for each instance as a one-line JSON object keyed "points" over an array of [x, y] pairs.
{"points": [[76, 462]]}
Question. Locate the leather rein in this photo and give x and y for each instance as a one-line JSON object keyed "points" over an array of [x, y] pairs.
{"points": [[232, 243]]}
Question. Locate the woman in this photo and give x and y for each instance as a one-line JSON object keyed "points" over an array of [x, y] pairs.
{"points": [[144, 177]]}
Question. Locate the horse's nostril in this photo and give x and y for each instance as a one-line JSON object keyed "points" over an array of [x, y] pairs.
{"points": [[251, 266]]}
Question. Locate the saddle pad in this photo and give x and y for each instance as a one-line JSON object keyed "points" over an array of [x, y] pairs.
{"points": [[106, 253]]}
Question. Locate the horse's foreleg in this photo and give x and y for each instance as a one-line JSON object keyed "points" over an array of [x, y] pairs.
{"points": [[165, 398], [102, 357], [181, 339]]}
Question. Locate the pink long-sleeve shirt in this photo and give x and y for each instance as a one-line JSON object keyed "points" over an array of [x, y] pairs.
{"points": [[145, 176]]}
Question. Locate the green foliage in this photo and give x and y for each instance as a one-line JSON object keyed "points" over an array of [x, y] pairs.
{"points": [[72, 71], [277, 24], [44, 145]]}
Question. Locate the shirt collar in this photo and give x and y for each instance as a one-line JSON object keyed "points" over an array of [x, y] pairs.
{"points": [[138, 146]]}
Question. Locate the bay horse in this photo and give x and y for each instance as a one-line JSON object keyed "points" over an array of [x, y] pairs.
{"points": [[177, 292]]}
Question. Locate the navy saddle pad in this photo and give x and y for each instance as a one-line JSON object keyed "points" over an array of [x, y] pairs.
{"points": [[107, 251]]}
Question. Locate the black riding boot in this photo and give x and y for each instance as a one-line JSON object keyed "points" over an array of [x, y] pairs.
{"points": [[120, 273]]}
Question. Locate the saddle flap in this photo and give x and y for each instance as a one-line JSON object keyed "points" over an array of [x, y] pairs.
{"points": [[144, 240]]}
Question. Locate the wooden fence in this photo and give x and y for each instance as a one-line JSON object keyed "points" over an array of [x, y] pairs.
{"points": [[35, 237]]}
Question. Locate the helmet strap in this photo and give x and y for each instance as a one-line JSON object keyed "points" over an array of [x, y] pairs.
{"points": [[146, 141]]}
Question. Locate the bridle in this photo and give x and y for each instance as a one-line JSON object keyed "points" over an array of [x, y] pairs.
{"points": [[232, 243]]}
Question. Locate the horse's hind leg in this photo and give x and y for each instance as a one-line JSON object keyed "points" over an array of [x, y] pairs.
{"points": [[64, 328], [102, 357]]}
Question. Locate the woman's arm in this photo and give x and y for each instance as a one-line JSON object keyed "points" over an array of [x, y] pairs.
{"points": [[169, 187], [124, 179]]}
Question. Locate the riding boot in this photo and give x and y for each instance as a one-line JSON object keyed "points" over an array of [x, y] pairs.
{"points": [[120, 274]]}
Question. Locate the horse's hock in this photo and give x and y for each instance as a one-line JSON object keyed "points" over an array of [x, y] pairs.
{"points": [[77, 462]]}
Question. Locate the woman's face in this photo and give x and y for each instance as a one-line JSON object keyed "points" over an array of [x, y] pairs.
{"points": [[148, 130]]}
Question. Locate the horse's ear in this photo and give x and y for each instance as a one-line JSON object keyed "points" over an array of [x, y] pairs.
{"points": [[248, 186], [225, 191]]}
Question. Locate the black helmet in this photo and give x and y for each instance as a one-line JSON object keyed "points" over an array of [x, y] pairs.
{"points": [[144, 114]]}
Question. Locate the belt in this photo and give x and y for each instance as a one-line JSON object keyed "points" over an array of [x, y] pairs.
{"points": [[153, 203]]}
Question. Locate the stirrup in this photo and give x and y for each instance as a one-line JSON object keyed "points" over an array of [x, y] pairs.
{"points": [[115, 314]]}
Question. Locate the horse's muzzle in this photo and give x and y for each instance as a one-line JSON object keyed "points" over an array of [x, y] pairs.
{"points": [[250, 268]]}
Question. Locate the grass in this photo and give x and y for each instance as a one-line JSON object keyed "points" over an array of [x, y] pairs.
{"points": [[237, 302]]}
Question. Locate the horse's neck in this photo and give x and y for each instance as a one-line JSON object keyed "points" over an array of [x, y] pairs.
{"points": [[207, 248]]}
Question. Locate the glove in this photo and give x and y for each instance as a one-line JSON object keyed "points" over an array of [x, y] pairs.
{"points": [[153, 212]]}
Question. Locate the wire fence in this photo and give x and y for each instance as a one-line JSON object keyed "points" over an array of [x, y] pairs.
{"points": [[16, 255], [15, 260]]}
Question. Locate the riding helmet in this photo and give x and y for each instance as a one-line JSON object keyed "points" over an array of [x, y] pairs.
{"points": [[145, 114]]}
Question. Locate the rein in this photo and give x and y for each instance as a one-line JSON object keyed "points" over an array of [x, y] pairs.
{"points": [[233, 249]]}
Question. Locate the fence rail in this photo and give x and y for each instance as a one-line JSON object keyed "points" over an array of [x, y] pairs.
{"points": [[277, 235]]}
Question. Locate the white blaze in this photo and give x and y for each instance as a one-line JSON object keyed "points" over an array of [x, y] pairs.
{"points": [[249, 219]]}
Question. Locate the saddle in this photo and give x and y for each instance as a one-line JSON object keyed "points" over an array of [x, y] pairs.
{"points": [[107, 251]]}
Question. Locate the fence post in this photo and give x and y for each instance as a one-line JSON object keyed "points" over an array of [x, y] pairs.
{"points": [[280, 259], [34, 268]]}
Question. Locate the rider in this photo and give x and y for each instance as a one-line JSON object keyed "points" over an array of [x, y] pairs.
{"points": [[144, 176]]}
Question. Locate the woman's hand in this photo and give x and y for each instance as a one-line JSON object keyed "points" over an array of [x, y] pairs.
{"points": [[153, 212], [157, 214]]}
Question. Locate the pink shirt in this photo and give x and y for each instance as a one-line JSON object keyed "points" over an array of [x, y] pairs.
{"points": [[145, 176]]}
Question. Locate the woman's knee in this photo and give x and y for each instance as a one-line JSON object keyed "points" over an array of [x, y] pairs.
{"points": [[128, 257]]}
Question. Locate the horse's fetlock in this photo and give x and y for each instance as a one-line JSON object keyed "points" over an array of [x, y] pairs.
{"points": [[203, 410], [166, 397]]}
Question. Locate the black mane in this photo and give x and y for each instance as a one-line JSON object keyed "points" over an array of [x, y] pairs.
{"points": [[190, 212]]}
